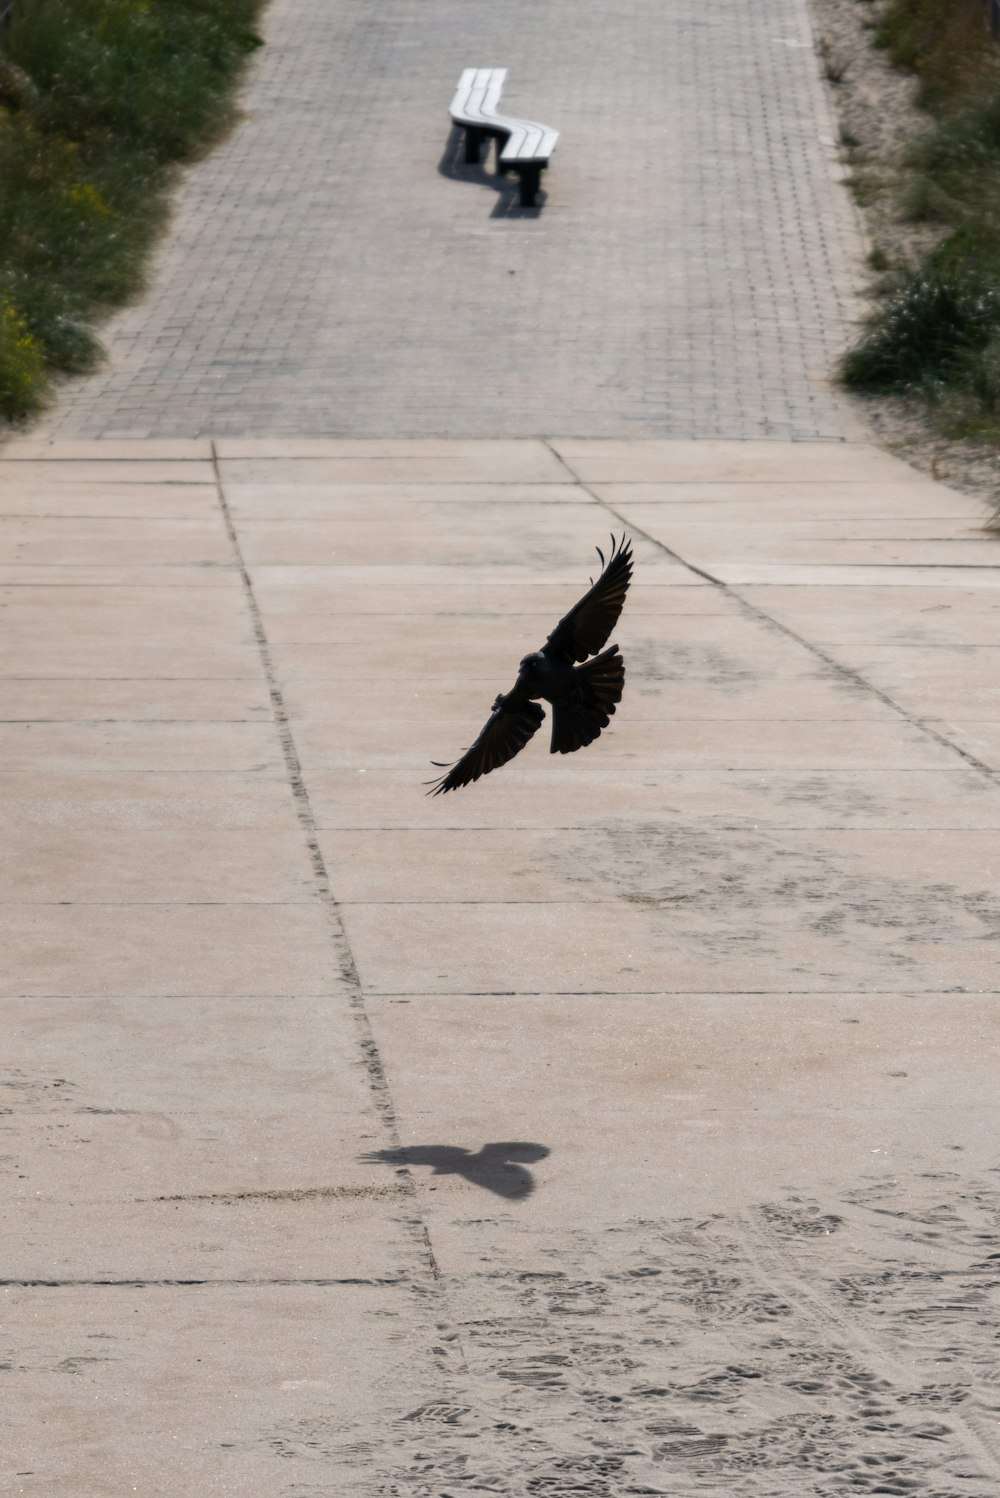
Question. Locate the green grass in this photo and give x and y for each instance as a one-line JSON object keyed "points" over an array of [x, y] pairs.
{"points": [[934, 333], [22, 365], [925, 333], [99, 100]]}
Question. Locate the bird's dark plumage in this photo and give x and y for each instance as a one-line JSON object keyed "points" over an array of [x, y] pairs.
{"points": [[583, 696]]}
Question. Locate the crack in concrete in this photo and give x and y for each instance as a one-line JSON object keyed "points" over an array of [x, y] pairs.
{"points": [[846, 673], [138, 1283], [292, 1194], [377, 1080]]}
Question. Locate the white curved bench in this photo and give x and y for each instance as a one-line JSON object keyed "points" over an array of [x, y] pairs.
{"points": [[526, 147]]}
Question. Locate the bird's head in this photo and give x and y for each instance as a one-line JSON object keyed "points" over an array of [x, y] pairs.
{"points": [[533, 661]]}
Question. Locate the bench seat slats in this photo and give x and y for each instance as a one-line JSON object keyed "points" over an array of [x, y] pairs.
{"points": [[528, 141], [523, 146], [477, 96], [475, 103]]}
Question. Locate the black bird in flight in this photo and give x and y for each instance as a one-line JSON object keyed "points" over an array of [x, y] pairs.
{"points": [[583, 697]]}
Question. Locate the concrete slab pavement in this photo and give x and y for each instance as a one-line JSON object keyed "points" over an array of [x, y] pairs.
{"points": [[632, 1113]]}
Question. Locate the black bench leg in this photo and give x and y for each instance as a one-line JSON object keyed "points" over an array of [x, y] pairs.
{"points": [[474, 144], [530, 178]]}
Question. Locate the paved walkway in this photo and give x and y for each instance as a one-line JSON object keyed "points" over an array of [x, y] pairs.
{"points": [[335, 268], [621, 1124]]}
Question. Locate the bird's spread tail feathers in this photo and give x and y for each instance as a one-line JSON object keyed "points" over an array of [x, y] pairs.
{"points": [[597, 690]]}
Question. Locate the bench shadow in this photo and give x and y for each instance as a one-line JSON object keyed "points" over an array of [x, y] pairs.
{"points": [[454, 166], [498, 1167]]}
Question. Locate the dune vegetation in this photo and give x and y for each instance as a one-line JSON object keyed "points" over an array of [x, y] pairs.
{"points": [[100, 100], [934, 332]]}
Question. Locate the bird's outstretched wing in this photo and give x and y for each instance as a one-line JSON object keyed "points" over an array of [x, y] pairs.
{"points": [[507, 731], [587, 627]]}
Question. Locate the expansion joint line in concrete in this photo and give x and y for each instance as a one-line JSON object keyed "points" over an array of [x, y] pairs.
{"points": [[846, 673], [371, 1057], [159, 1284]]}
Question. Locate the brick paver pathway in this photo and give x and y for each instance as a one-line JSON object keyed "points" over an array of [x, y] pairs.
{"points": [[334, 268]]}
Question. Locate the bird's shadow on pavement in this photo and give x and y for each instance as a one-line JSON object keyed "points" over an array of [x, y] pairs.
{"points": [[454, 166], [499, 1167]]}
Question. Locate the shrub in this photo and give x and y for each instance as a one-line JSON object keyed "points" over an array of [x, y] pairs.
{"points": [[945, 42], [22, 365], [936, 330], [149, 72], [921, 335]]}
